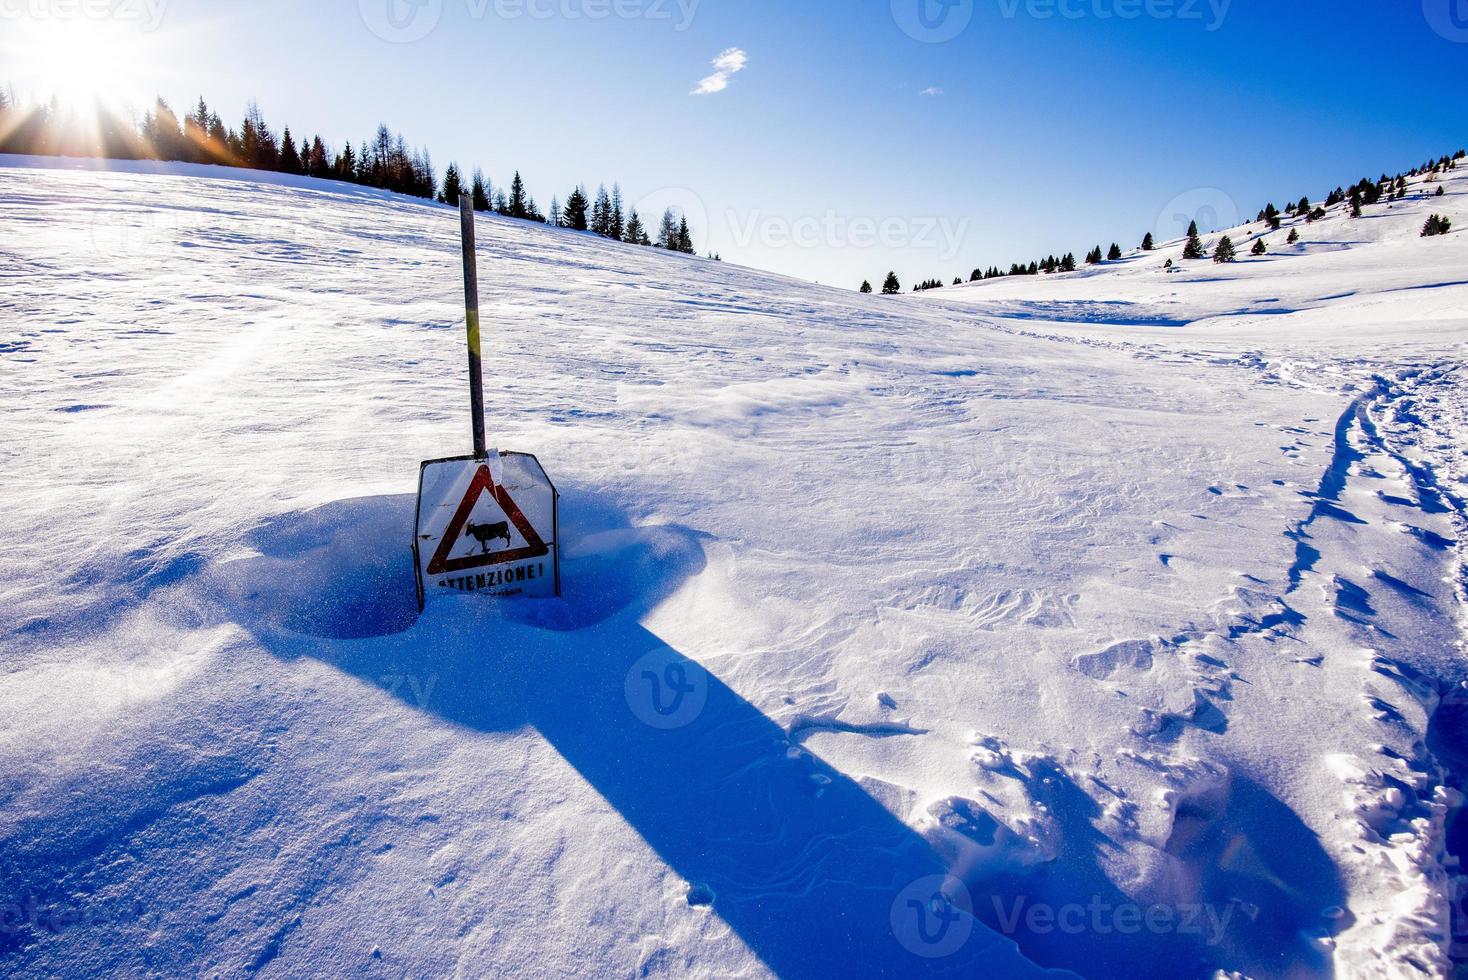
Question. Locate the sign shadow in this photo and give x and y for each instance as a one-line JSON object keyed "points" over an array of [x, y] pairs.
{"points": [[816, 877]]}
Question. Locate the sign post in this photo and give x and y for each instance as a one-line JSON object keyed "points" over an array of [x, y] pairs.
{"points": [[486, 523], [471, 320]]}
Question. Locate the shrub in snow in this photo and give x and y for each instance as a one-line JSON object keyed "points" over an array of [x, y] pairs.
{"points": [[1436, 225]]}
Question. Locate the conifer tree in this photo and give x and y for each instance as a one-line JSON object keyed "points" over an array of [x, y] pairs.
{"points": [[891, 286], [1354, 207], [519, 204], [1294, 236], [1259, 247], [618, 225], [480, 191], [1437, 225], [1114, 254], [1093, 256], [452, 186], [556, 217], [635, 233], [1225, 251], [601, 213], [1147, 243], [573, 214], [317, 165], [1068, 263], [1194, 247], [668, 231], [290, 157], [866, 286], [685, 237]]}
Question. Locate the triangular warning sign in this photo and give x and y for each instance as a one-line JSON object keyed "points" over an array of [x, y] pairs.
{"points": [[483, 483]]}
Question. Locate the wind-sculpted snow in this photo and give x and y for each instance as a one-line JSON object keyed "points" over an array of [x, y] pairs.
{"points": [[1106, 623]]}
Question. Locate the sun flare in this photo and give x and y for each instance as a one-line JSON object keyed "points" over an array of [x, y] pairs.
{"points": [[81, 63]]}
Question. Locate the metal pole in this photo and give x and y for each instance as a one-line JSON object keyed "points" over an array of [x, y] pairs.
{"points": [[471, 317]]}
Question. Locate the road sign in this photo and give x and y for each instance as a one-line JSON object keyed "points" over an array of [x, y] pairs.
{"points": [[487, 525]]}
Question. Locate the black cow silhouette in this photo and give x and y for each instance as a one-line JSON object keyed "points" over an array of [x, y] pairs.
{"points": [[485, 533]]}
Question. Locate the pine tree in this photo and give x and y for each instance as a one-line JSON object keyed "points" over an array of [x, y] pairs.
{"points": [[573, 214], [1437, 225], [1147, 243], [866, 286], [1355, 205], [1225, 250], [317, 164], [1114, 254], [290, 157], [519, 206], [685, 237], [1440, 192], [1194, 247], [601, 213], [1068, 263], [891, 286], [501, 203], [556, 217], [1093, 256], [1259, 247], [635, 233], [452, 186], [1294, 236], [481, 191], [668, 231], [618, 224]]}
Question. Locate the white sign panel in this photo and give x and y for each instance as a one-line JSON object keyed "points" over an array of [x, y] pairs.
{"points": [[487, 526]]}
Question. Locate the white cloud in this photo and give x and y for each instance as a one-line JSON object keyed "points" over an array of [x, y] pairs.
{"points": [[731, 60], [728, 62], [931, 92]]}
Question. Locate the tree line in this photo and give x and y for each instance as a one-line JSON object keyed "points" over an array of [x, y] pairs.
{"points": [[386, 162], [1362, 194]]}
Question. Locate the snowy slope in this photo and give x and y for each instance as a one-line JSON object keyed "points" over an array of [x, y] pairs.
{"points": [[1123, 606]]}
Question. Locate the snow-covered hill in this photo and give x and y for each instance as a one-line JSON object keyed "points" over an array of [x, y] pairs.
{"points": [[1123, 607]]}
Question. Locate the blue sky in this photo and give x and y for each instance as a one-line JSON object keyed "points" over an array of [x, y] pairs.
{"points": [[1047, 125]]}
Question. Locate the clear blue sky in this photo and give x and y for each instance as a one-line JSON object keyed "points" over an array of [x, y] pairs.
{"points": [[1049, 125]]}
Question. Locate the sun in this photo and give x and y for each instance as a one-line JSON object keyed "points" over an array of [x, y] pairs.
{"points": [[80, 62]]}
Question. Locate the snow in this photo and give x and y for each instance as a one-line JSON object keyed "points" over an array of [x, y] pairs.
{"points": [[1124, 607]]}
